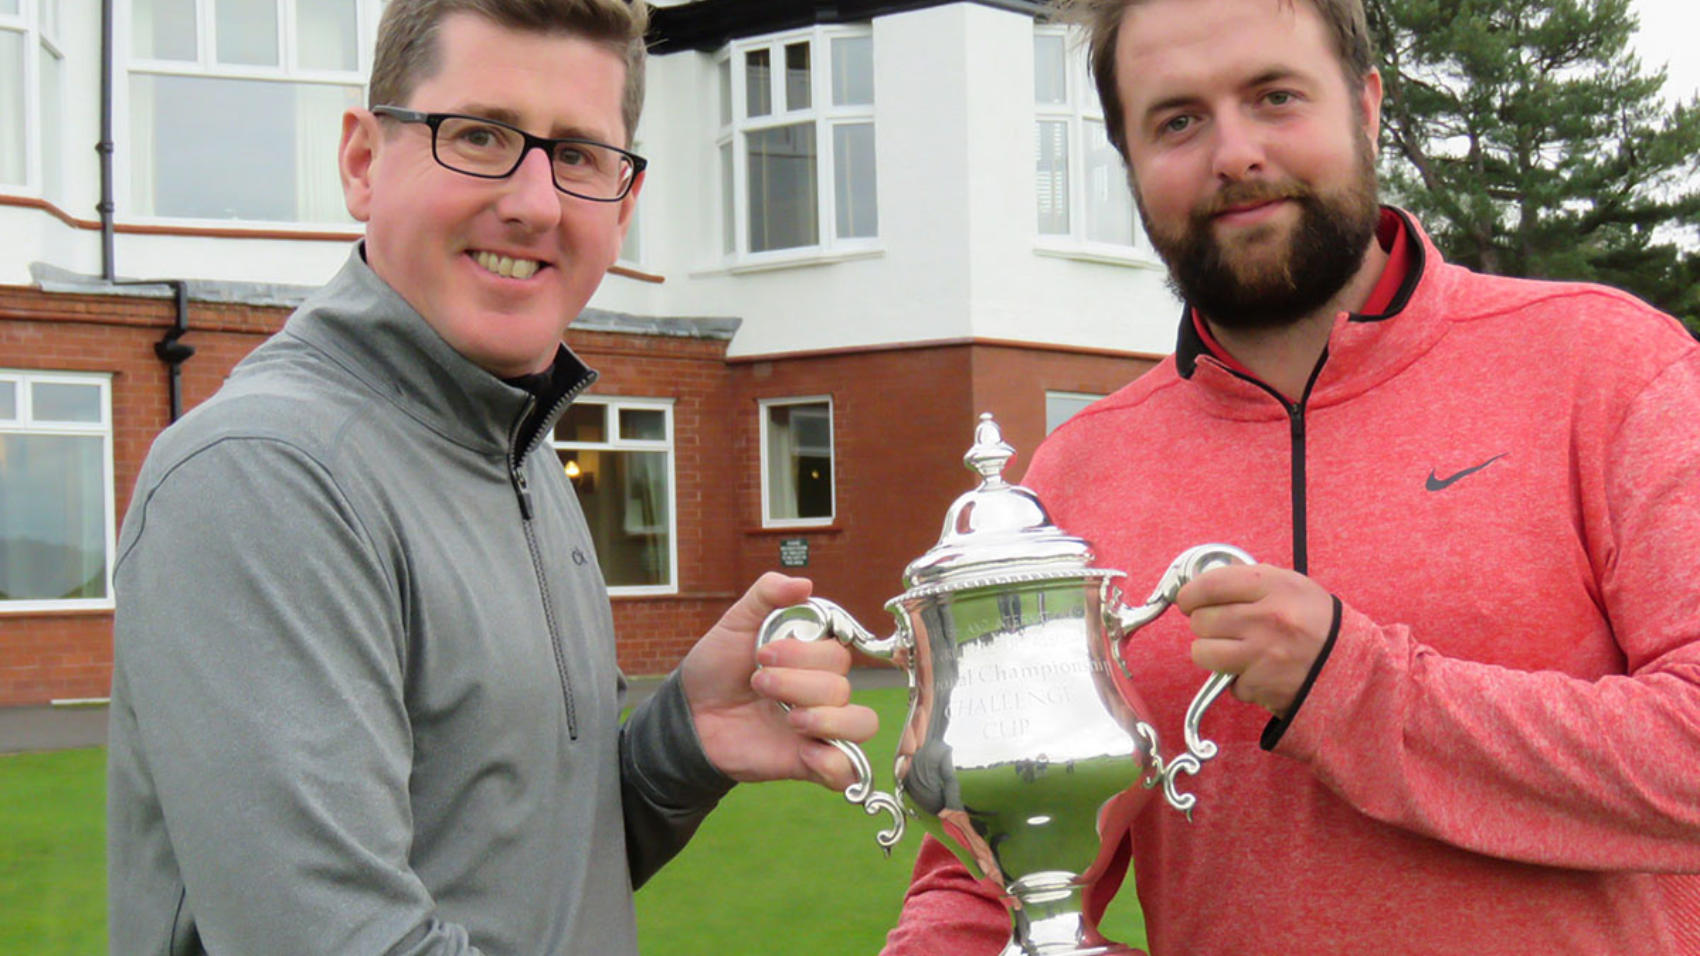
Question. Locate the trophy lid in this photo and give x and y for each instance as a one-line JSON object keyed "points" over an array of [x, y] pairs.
{"points": [[998, 532]]}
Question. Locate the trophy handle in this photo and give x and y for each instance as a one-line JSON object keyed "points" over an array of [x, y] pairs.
{"points": [[813, 620], [1191, 563]]}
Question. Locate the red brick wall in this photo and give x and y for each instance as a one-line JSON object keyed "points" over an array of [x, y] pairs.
{"points": [[68, 654], [902, 419]]}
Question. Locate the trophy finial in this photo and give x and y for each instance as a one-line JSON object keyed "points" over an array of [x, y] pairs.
{"points": [[990, 452]]}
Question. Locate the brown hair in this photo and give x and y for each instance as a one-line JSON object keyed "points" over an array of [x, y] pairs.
{"points": [[1102, 20], [407, 40]]}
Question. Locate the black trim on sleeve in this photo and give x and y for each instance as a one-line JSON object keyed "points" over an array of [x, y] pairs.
{"points": [[1277, 726]]}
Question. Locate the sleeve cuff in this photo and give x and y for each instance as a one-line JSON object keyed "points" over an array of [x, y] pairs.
{"points": [[662, 756], [1278, 725]]}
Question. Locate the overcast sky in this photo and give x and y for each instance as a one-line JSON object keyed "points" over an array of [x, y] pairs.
{"points": [[1668, 36]]}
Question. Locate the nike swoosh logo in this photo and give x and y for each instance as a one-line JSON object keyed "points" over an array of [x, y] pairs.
{"points": [[1438, 484]]}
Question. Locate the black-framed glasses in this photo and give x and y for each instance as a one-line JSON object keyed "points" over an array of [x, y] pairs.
{"points": [[491, 149]]}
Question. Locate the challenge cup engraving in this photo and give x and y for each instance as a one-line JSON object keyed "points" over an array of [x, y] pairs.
{"points": [[1021, 750]]}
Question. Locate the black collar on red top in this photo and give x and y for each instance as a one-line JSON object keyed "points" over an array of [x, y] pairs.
{"points": [[1407, 259]]}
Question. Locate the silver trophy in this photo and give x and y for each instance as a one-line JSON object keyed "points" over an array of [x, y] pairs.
{"points": [[1019, 752]]}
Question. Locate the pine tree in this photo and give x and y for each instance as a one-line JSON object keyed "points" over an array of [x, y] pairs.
{"points": [[1532, 142]]}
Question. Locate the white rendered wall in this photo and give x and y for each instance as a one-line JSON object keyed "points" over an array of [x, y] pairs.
{"points": [[958, 252], [1022, 289]]}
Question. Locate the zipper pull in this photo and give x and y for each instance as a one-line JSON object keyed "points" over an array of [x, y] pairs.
{"points": [[524, 490]]}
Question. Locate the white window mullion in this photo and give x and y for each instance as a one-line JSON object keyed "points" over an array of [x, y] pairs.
{"points": [[826, 183], [205, 42]]}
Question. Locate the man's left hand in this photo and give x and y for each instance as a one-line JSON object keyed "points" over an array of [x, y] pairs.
{"points": [[1262, 623], [743, 730]]}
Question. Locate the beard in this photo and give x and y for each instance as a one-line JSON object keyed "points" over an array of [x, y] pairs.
{"points": [[1240, 286]]}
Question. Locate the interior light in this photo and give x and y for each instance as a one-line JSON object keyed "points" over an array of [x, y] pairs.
{"points": [[572, 468]]}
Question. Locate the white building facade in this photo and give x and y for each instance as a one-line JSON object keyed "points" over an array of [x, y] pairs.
{"points": [[863, 223]]}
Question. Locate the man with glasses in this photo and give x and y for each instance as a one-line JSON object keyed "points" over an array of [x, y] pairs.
{"points": [[364, 696]]}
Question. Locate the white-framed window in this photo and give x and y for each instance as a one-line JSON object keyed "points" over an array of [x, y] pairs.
{"points": [[234, 106], [1080, 185], [796, 145], [32, 103], [1062, 406], [56, 496], [796, 462], [618, 454]]}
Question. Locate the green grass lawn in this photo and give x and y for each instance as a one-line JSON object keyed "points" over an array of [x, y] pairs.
{"points": [[778, 868], [53, 853]]}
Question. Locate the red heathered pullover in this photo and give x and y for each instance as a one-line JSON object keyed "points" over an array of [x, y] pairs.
{"points": [[1500, 481]]}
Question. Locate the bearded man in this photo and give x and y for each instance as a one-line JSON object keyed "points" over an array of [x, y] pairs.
{"points": [[1469, 659]]}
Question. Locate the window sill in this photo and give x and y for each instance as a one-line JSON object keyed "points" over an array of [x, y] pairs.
{"points": [[791, 260], [56, 608], [832, 528], [1105, 254], [618, 596]]}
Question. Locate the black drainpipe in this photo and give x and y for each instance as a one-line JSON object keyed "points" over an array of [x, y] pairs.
{"points": [[170, 351], [108, 268]]}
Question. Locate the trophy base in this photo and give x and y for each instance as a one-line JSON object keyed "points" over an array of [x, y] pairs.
{"points": [[1049, 921]]}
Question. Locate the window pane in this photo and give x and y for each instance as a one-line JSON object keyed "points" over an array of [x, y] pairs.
{"points": [[853, 175], [163, 29], [758, 84], [52, 517], [797, 76], [8, 400], [9, 6], [783, 199], [11, 107], [1062, 406], [65, 402], [643, 424], [583, 422], [624, 496], [52, 134], [1109, 201], [728, 212], [1050, 77], [725, 92], [246, 31], [326, 34], [1051, 178], [799, 461], [271, 154], [852, 71]]}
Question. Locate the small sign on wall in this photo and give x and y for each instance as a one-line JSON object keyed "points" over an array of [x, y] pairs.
{"points": [[794, 552]]}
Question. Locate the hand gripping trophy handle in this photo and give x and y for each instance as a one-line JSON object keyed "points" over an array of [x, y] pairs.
{"points": [[813, 620], [1125, 621]]}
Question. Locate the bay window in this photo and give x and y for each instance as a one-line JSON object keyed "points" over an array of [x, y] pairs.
{"points": [[31, 96], [796, 144], [1081, 187]]}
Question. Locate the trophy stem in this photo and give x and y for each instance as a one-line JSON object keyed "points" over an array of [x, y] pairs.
{"points": [[1050, 921]]}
